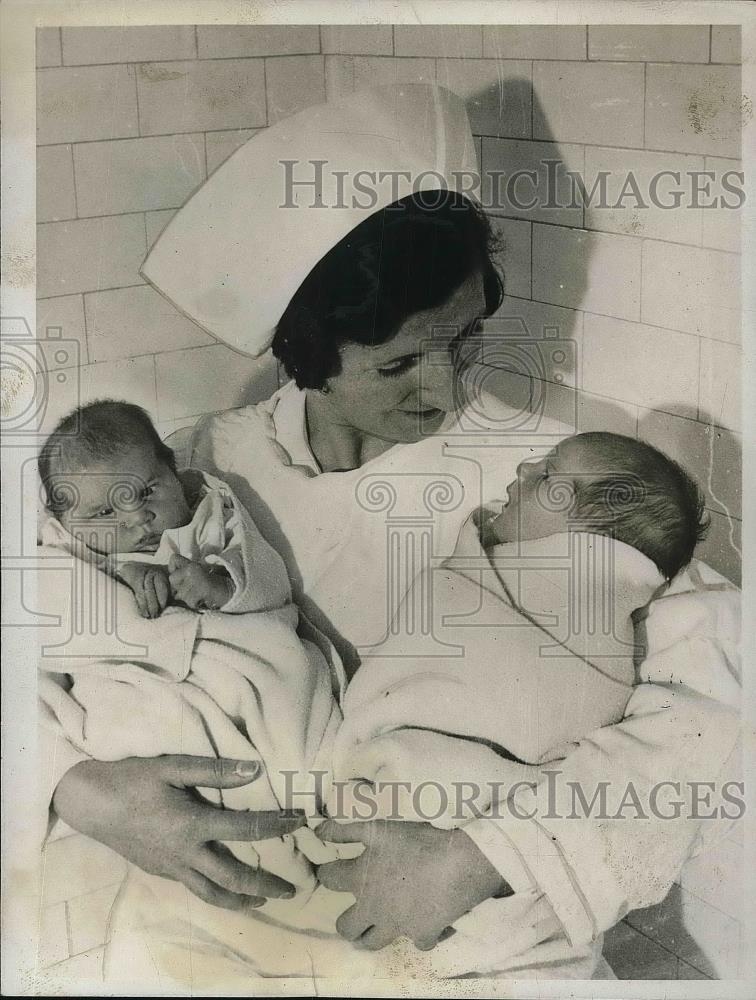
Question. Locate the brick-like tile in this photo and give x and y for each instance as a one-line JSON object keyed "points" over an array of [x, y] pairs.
{"points": [[497, 93], [185, 389], [717, 877], [598, 103], [126, 322], [530, 398], [155, 223], [358, 39], [631, 208], [694, 109], [544, 321], [339, 76], [508, 187], [220, 145], [632, 955], [722, 225], [137, 175], [599, 413], [293, 83], [132, 379], [67, 313], [655, 368], [89, 254], [376, 70], [664, 923], [78, 865], [78, 103], [48, 47], [82, 46], [53, 935], [200, 95], [712, 455], [88, 918], [722, 549], [458, 40], [550, 344], [725, 43], [599, 272], [234, 40], [687, 43], [534, 41], [719, 394], [691, 289], [514, 259], [56, 198], [718, 936], [686, 971]]}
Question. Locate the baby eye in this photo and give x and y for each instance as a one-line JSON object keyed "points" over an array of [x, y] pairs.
{"points": [[148, 491], [105, 512], [398, 367]]}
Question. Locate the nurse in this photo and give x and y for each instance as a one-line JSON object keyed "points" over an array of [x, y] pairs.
{"points": [[369, 286]]}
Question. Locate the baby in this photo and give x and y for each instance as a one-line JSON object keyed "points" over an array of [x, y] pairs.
{"points": [[532, 644], [256, 682], [605, 484], [113, 487]]}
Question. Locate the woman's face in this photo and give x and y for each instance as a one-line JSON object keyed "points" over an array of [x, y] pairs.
{"points": [[402, 390]]}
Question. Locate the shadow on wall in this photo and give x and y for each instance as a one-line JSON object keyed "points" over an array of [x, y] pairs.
{"points": [[713, 456], [530, 352]]}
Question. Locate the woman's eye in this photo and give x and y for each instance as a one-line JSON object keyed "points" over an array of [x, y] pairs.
{"points": [[105, 512], [397, 367], [148, 491]]}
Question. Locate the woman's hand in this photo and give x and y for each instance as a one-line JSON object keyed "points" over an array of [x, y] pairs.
{"points": [[412, 880], [148, 811]]}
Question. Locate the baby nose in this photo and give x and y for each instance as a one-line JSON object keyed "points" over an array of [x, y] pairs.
{"points": [[136, 518]]}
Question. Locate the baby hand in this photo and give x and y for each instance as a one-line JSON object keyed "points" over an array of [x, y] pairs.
{"points": [[197, 586], [150, 585]]}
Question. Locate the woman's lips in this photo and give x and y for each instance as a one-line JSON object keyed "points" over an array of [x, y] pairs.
{"points": [[431, 412]]}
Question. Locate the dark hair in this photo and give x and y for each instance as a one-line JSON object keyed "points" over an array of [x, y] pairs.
{"points": [[94, 433], [647, 500], [408, 257]]}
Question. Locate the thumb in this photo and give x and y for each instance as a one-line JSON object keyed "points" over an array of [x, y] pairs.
{"points": [[209, 772], [344, 833]]}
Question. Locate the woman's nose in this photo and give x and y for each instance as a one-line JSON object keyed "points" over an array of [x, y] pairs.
{"points": [[436, 386]]}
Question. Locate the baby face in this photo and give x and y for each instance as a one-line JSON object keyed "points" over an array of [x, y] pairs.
{"points": [[125, 504], [540, 498]]}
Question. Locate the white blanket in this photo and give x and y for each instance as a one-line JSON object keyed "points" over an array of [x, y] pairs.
{"points": [[532, 649], [258, 684]]}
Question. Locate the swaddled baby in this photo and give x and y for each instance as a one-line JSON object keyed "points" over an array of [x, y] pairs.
{"points": [[212, 657], [532, 644]]}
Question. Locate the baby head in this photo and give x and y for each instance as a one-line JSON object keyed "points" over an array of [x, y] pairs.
{"points": [[612, 485], [110, 480]]}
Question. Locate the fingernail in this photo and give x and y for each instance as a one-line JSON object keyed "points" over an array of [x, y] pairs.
{"points": [[247, 768], [290, 894]]}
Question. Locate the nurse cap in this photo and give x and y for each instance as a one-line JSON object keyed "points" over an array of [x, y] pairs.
{"points": [[232, 258]]}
